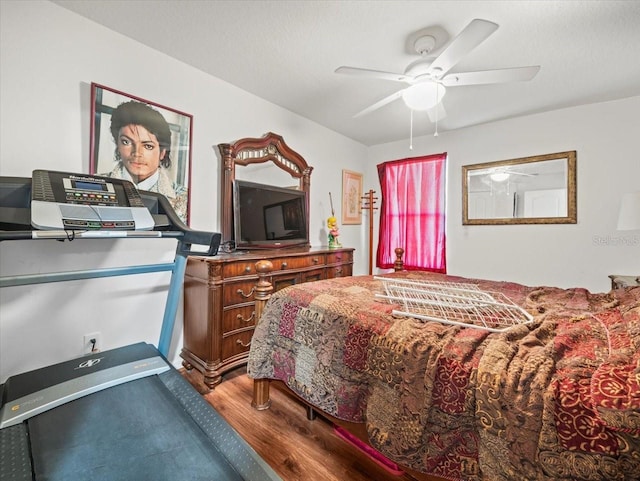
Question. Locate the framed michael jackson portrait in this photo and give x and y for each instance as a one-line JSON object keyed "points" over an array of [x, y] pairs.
{"points": [[143, 142]]}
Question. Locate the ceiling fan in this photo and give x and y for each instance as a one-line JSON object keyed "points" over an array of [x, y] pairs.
{"points": [[428, 78], [499, 174]]}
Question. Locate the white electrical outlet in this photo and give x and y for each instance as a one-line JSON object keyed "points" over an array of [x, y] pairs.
{"points": [[89, 346]]}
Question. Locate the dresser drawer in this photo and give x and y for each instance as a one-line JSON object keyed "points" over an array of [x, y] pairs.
{"points": [[239, 268], [238, 318], [313, 275], [338, 271], [248, 267], [338, 257], [235, 344], [287, 263], [238, 292]]}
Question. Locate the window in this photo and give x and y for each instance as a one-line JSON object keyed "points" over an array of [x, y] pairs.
{"points": [[412, 212]]}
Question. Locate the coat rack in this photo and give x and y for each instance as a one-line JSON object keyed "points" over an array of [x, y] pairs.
{"points": [[368, 203]]}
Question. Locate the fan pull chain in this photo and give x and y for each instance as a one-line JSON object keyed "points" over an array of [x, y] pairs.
{"points": [[437, 103], [411, 131]]}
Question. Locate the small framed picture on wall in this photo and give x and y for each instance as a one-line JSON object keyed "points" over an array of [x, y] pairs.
{"points": [[351, 195], [143, 142]]}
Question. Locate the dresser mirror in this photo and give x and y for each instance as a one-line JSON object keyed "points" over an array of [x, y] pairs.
{"points": [[267, 173], [267, 160], [530, 190]]}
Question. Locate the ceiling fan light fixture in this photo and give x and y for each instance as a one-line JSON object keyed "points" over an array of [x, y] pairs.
{"points": [[423, 95], [499, 176]]}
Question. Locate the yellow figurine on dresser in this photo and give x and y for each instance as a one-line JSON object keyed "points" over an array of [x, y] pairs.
{"points": [[332, 224]]}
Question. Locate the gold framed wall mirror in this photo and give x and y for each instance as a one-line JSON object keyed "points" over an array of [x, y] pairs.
{"points": [[531, 190]]}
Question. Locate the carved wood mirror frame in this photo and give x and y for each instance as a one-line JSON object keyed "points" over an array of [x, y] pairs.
{"points": [[534, 166], [251, 151]]}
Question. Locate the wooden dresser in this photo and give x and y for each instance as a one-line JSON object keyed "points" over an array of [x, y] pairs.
{"points": [[219, 304]]}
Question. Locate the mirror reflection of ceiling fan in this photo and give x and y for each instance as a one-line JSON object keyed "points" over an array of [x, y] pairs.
{"points": [[429, 78], [499, 174]]}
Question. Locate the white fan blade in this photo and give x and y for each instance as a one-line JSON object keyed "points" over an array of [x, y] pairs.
{"points": [[517, 74], [363, 72], [473, 35], [437, 113], [380, 103]]}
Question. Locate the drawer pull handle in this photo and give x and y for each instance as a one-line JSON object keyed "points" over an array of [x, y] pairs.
{"points": [[315, 260], [247, 269], [240, 291], [338, 258], [240, 318], [283, 265], [238, 341]]}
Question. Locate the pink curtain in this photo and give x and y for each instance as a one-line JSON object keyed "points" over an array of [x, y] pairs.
{"points": [[412, 213]]}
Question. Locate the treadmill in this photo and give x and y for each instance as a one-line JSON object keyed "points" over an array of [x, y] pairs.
{"points": [[126, 413]]}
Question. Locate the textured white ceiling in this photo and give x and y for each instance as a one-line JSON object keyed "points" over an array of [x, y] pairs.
{"points": [[286, 52]]}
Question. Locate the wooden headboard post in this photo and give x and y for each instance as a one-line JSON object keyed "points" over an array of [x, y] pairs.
{"points": [[398, 265], [270, 148]]}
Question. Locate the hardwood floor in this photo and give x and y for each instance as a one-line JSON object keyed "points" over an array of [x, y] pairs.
{"points": [[296, 448]]}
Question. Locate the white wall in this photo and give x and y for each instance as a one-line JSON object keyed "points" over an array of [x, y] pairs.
{"points": [[49, 57], [606, 138]]}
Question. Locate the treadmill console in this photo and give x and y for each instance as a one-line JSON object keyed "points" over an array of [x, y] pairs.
{"points": [[63, 200]]}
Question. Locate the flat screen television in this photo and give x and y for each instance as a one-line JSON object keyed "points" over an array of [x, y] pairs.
{"points": [[268, 217]]}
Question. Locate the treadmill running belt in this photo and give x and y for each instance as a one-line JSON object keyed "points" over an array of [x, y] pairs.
{"points": [[141, 430], [105, 436]]}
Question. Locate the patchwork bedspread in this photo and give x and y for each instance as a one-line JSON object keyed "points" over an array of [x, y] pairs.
{"points": [[556, 399]]}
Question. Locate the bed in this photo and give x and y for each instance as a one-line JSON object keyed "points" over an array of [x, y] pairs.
{"points": [[554, 398]]}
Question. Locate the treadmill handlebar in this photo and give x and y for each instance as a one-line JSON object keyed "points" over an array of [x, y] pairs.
{"points": [[190, 236]]}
